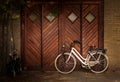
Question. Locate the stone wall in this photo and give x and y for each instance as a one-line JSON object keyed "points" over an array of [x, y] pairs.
{"points": [[112, 32]]}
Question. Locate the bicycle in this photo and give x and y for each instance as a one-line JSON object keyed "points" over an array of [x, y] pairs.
{"points": [[96, 60], [14, 65]]}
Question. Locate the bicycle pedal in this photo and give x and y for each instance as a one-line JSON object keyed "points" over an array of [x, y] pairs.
{"points": [[84, 66]]}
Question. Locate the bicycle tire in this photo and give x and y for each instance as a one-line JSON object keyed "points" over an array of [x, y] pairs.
{"points": [[61, 65], [98, 66]]}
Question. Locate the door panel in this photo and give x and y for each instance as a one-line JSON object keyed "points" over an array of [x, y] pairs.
{"points": [[70, 25], [32, 39], [70, 29], [90, 27], [49, 35]]}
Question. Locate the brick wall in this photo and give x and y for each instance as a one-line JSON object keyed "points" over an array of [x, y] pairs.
{"points": [[112, 32]]}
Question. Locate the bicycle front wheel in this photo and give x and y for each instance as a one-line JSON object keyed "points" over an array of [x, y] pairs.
{"points": [[98, 63], [64, 63]]}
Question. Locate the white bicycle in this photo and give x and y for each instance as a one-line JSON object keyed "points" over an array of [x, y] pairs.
{"points": [[96, 60]]}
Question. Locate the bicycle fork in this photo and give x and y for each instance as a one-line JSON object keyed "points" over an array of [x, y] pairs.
{"points": [[68, 58]]}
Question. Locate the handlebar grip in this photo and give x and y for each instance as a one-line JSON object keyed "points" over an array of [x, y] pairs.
{"points": [[76, 41]]}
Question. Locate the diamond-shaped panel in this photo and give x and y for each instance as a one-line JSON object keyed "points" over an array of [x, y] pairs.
{"points": [[90, 17], [33, 16], [50, 17], [72, 17]]}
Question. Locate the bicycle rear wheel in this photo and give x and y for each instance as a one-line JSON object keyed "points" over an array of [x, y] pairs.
{"points": [[98, 63], [63, 65]]}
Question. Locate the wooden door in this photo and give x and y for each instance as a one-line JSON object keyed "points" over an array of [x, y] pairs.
{"points": [[47, 27], [61, 29], [69, 23], [92, 26], [31, 38], [49, 35], [70, 27]]}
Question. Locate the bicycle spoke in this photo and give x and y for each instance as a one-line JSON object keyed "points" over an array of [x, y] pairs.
{"points": [[99, 57], [100, 65]]}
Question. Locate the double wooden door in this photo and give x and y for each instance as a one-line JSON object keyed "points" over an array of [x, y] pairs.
{"points": [[46, 28]]}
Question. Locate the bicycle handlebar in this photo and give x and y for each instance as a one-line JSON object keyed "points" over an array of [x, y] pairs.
{"points": [[73, 43], [76, 41]]}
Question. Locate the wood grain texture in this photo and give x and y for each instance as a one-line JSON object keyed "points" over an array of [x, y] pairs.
{"points": [[49, 38], [89, 30], [32, 39], [70, 31]]}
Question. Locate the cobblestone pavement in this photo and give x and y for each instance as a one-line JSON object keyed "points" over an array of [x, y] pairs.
{"points": [[54, 76]]}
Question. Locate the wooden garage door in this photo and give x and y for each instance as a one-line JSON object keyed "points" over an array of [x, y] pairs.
{"points": [[47, 27]]}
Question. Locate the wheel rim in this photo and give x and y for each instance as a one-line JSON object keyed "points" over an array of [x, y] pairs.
{"points": [[64, 67]]}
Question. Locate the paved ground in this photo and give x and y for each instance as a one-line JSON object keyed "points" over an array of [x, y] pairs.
{"points": [[54, 76]]}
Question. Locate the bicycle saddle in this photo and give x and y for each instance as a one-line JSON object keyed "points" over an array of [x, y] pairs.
{"points": [[101, 50]]}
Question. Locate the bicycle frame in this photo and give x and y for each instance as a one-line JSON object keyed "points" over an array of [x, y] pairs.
{"points": [[78, 56], [96, 60]]}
